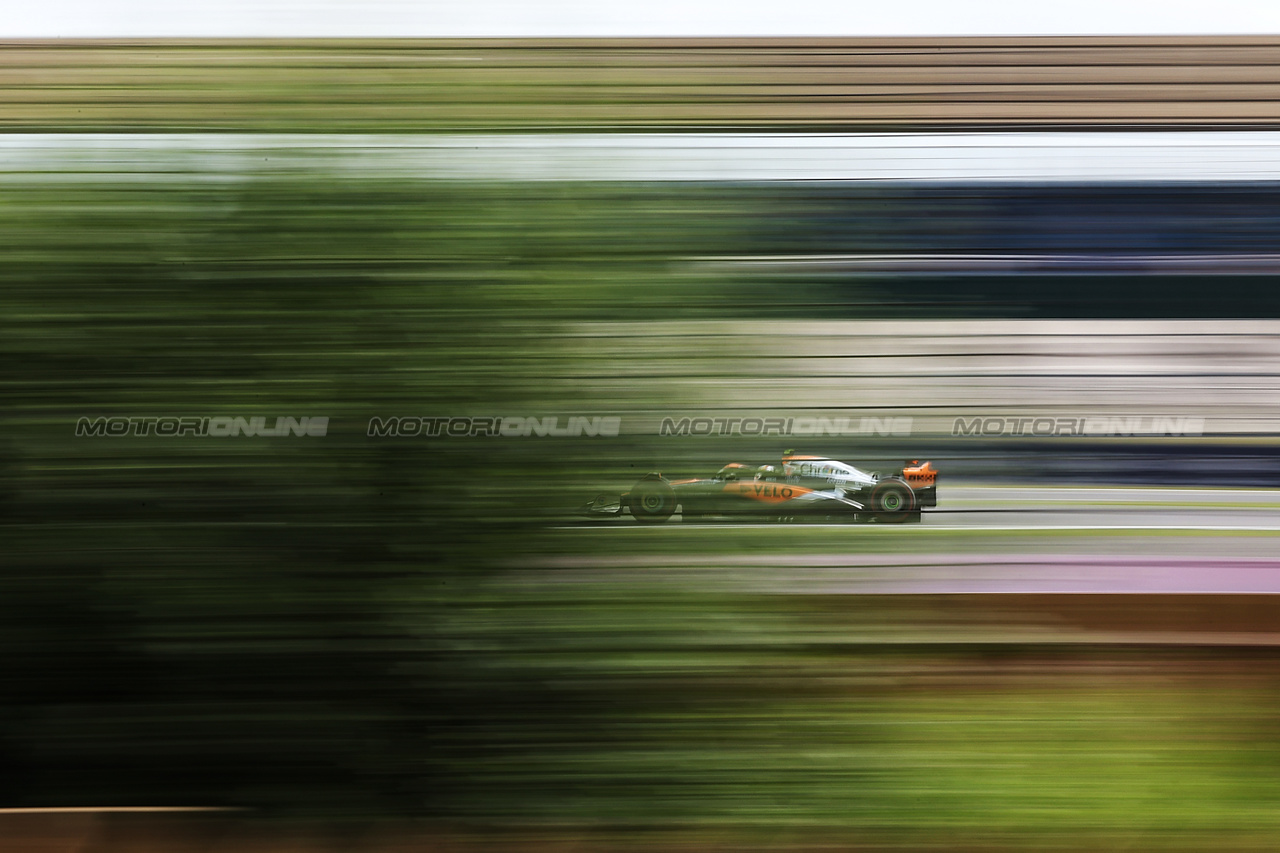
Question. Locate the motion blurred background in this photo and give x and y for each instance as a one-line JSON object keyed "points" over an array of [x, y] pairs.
{"points": [[400, 642]]}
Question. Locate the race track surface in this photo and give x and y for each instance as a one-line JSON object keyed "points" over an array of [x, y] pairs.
{"points": [[982, 540]]}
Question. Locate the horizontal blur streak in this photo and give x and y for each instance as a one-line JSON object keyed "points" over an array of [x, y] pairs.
{"points": [[387, 85], [935, 370], [1029, 264], [1180, 157], [811, 573]]}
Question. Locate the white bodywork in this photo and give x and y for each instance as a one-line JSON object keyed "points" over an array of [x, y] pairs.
{"points": [[836, 473]]}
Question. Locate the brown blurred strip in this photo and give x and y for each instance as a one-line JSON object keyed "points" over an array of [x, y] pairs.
{"points": [[1211, 620], [388, 85]]}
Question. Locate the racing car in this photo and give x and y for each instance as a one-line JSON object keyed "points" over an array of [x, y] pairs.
{"points": [[806, 486]]}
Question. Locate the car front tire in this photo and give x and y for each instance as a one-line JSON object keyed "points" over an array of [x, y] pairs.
{"points": [[652, 500]]}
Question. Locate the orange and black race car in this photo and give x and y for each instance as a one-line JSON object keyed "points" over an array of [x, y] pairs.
{"points": [[804, 487]]}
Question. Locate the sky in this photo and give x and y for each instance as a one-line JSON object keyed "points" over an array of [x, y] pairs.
{"points": [[548, 18]]}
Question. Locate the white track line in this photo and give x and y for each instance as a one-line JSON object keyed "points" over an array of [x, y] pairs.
{"points": [[923, 527]]}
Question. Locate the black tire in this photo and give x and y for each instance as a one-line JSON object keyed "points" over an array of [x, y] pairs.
{"points": [[893, 501], [652, 501]]}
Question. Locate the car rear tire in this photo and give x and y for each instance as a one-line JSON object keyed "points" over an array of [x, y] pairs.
{"points": [[893, 501], [652, 501]]}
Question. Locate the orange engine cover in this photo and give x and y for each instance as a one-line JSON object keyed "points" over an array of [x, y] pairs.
{"points": [[920, 475]]}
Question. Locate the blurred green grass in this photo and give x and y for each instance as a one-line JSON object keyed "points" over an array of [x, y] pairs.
{"points": [[774, 716]]}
